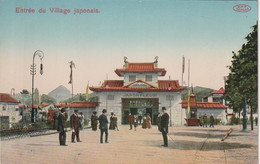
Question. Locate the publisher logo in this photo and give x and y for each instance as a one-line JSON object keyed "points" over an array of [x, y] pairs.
{"points": [[243, 8]]}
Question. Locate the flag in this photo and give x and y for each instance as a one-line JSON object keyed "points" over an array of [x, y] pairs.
{"points": [[72, 65], [188, 111], [86, 96], [183, 64]]}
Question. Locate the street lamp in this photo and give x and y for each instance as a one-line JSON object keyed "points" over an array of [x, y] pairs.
{"points": [[33, 72]]}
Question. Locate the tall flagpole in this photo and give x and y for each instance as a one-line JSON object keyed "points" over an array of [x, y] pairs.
{"points": [[188, 88], [71, 83], [183, 67]]}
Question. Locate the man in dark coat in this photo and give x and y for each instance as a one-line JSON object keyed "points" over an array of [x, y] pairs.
{"points": [[75, 125], [61, 127], [103, 126], [164, 126], [211, 121], [94, 121]]}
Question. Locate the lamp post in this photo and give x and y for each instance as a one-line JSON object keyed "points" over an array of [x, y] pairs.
{"points": [[33, 72]]}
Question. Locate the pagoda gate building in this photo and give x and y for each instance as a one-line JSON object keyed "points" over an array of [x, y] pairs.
{"points": [[140, 92]]}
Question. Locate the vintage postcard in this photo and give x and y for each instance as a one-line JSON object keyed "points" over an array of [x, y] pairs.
{"points": [[130, 81]]}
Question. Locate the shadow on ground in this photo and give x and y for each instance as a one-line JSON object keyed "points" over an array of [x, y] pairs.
{"points": [[201, 135], [193, 145]]}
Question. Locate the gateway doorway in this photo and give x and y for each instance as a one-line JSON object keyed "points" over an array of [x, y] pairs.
{"points": [[140, 106]]}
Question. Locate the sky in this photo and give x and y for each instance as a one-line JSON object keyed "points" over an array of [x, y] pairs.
{"points": [[205, 32]]}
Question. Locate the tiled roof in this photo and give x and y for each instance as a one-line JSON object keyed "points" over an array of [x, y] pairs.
{"points": [[61, 106], [117, 86], [126, 86], [206, 105], [168, 84], [44, 105], [220, 91], [34, 106], [83, 105], [140, 68], [113, 83], [7, 98]]}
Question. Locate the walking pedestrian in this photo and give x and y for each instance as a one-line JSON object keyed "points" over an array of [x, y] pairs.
{"points": [[164, 126], [256, 121], [103, 126], [211, 121], [205, 120], [130, 121], [75, 124], [115, 122], [94, 121], [61, 128]]}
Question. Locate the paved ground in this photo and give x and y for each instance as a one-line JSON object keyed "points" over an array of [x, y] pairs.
{"points": [[191, 145]]}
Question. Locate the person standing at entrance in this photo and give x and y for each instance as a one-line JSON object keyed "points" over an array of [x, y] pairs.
{"points": [[149, 124], [140, 118], [61, 127], [103, 126], [130, 121], [211, 121], [164, 126], [75, 125], [115, 122], [111, 125]]}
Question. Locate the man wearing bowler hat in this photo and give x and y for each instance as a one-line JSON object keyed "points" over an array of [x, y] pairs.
{"points": [[103, 125], [61, 128], [164, 126]]}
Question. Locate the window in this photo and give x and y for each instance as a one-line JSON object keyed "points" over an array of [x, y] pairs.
{"points": [[169, 97], [110, 97], [132, 78], [148, 78]]}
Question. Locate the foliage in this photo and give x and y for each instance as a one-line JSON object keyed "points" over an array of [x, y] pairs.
{"points": [[199, 92], [24, 91], [81, 98], [47, 99], [242, 80]]}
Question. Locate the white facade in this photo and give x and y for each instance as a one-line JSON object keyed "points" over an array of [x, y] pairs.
{"points": [[115, 105], [11, 110], [140, 93]]}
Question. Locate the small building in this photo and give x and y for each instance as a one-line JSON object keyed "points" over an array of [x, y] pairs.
{"points": [[9, 109], [199, 109], [140, 93], [218, 96]]}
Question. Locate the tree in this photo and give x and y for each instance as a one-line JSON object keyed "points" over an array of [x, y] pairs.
{"points": [[24, 91], [47, 99], [242, 79]]}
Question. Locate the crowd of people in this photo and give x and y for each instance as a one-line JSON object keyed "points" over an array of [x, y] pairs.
{"points": [[77, 124]]}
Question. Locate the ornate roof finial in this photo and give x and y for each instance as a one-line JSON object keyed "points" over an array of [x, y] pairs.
{"points": [[125, 59], [156, 59]]}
